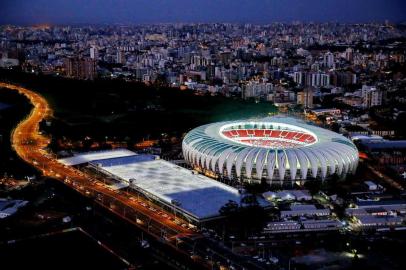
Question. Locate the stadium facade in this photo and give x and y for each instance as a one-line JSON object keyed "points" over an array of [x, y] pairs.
{"points": [[275, 149]]}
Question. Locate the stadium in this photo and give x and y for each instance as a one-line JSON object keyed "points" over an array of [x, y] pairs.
{"points": [[276, 149]]}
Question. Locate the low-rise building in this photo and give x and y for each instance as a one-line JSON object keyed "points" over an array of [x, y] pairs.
{"points": [[287, 195], [370, 221], [305, 210], [325, 224], [281, 226], [303, 226]]}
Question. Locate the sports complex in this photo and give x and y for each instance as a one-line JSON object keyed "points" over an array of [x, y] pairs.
{"points": [[274, 149], [177, 189]]}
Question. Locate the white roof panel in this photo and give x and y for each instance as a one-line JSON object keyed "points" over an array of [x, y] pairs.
{"points": [[198, 195], [96, 155]]}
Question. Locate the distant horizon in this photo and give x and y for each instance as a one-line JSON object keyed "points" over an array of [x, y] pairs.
{"points": [[98, 12], [190, 23]]}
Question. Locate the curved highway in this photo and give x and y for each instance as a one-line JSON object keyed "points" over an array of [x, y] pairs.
{"points": [[30, 144]]}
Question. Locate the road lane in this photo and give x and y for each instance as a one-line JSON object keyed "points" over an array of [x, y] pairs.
{"points": [[30, 145]]}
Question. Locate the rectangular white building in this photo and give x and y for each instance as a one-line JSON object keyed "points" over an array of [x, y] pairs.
{"points": [[196, 197]]}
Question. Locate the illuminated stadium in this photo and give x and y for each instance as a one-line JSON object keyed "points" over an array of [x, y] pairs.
{"points": [[275, 150]]}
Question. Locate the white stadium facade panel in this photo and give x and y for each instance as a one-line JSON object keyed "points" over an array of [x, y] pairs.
{"points": [[275, 149]]}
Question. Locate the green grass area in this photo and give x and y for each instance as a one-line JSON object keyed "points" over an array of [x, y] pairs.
{"points": [[123, 109]]}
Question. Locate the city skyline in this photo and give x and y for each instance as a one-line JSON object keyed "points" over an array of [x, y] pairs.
{"points": [[217, 134], [174, 11]]}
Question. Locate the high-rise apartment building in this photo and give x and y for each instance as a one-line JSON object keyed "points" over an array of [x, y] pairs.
{"points": [[94, 53], [305, 98], [371, 96], [328, 60], [120, 57], [80, 68]]}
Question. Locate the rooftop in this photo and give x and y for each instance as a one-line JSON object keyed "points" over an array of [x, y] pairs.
{"points": [[372, 145], [302, 207], [97, 155], [196, 194], [380, 203]]}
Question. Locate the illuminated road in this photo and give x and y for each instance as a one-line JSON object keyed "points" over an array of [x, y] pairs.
{"points": [[30, 145]]}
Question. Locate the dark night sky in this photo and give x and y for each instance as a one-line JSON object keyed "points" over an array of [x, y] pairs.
{"points": [[150, 11]]}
